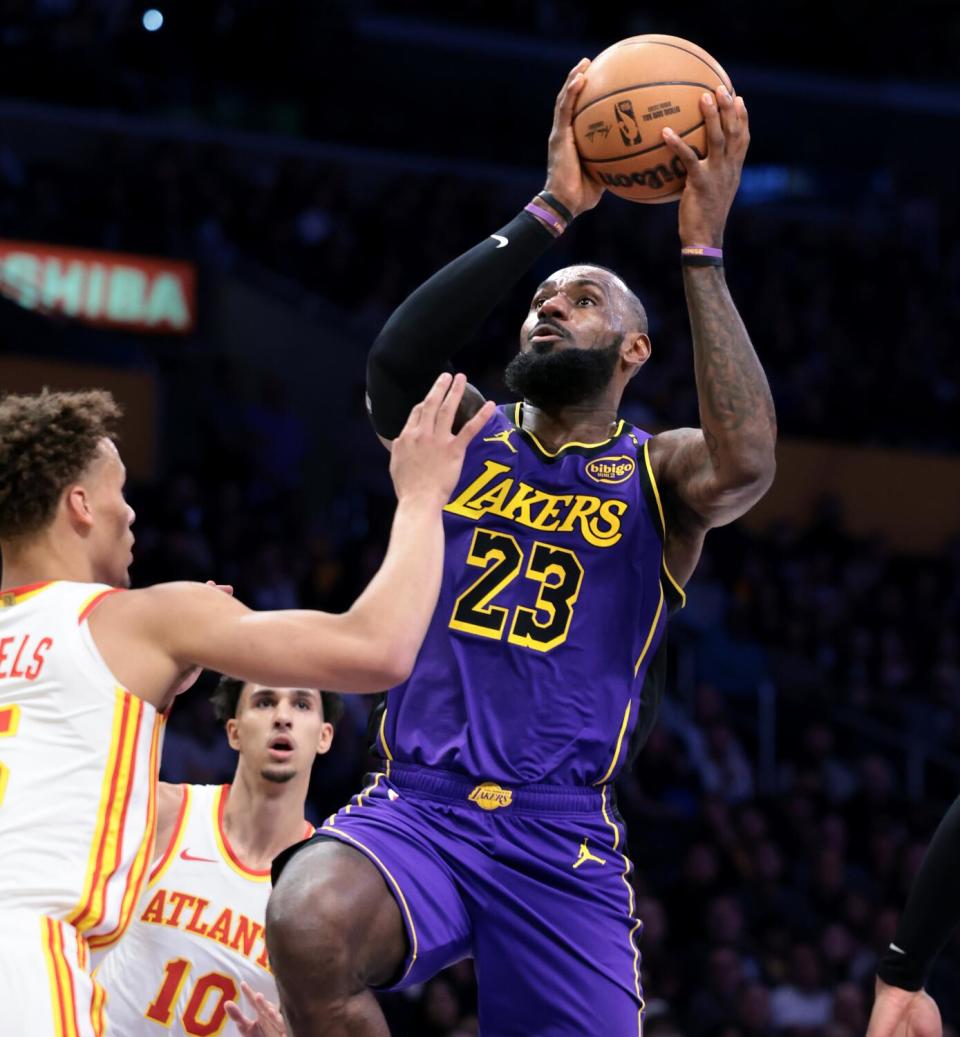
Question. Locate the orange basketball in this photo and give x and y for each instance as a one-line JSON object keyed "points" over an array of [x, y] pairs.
{"points": [[633, 90]]}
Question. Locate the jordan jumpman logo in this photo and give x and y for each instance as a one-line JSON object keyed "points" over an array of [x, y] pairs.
{"points": [[502, 437], [585, 855]]}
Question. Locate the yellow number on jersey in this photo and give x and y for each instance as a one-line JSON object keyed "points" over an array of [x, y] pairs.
{"points": [[556, 569]]}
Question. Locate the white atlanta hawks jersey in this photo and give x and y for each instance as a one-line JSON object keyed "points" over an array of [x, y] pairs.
{"points": [[78, 777], [197, 931]]}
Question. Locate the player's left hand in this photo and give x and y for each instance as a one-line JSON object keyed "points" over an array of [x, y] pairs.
{"points": [[268, 1021], [567, 179], [712, 182], [190, 677], [903, 1013]]}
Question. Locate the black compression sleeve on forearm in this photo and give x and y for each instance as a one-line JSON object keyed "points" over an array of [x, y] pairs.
{"points": [[428, 327], [932, 911]]}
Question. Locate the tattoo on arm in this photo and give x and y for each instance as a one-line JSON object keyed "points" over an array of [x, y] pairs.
{"points": [[736, 408]]}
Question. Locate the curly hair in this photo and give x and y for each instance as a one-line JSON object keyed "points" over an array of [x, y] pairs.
{"points": [[47, 441], [226, 698]]}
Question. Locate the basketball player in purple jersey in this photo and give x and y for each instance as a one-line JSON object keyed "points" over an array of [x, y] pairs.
{"points": [[492, 830]]}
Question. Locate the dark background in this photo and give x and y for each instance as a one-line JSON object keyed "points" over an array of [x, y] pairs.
{"points": [[317, 161]]}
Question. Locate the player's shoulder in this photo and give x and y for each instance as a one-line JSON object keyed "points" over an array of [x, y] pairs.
{"points": [[149, 608], [663, 447], [178, 800], [58, 594]]}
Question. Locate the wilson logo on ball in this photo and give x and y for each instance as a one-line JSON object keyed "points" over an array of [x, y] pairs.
{"points": [[653, 176]]}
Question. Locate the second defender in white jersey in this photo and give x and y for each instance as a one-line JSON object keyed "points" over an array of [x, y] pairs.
{"points": [[198, 928]]}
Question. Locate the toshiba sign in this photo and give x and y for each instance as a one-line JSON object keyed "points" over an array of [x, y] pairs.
{"points": [[110, 289]]}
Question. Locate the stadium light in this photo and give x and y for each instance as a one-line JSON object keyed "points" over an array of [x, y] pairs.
{"points": [[152, 19]]}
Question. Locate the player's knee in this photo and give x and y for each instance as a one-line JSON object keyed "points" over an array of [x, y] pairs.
{"points": [[315, 926], [307, 930]]}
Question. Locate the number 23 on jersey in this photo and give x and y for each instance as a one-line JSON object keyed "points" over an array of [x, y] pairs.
{"points": [[558, 572]]}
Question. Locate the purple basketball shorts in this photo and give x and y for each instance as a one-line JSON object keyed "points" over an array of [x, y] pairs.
{"points": [[531, 882]]}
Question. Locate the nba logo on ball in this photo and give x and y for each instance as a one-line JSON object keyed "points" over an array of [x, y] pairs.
{"points": [[651, 82], [627, 121]]}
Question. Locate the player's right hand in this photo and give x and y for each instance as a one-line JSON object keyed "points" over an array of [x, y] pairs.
{"points": [[268, 1021], [567, 180], [903, 1013], [712, 182], [426, 458]]}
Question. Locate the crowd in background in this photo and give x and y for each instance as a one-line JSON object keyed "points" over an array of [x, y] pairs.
{"points": [[856, 321], [780, 808]]}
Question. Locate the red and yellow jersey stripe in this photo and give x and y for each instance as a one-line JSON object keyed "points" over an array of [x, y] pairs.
{"points": [[108, 854], [77, 1004], [11, 596], [223, 843], [137, 872], [94, 600]]}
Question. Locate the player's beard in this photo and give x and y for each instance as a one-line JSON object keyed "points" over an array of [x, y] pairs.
{"points": [[562, 377], [278, 777]]}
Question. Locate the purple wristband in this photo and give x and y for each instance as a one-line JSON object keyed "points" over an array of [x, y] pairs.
{"points": [[556, 225], [701, 255], [701, 250]]}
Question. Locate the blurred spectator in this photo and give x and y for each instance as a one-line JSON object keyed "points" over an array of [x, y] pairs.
{"points": [[802, 1003]]}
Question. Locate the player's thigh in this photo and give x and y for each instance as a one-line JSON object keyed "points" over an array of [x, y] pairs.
{"points": [[534, 978], [378, 892], [45, 988]]}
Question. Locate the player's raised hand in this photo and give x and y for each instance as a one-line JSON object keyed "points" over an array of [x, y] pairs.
{"points": [[903, 1013], [712, 182], [567, 180], [268, 1021], [426, 458]]}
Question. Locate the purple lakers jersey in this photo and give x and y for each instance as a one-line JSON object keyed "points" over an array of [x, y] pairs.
{"points": [[543, 662]]}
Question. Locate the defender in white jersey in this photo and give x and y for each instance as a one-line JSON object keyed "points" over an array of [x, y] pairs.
{"points": [[78, 804], [85, 674], [198, 930]]}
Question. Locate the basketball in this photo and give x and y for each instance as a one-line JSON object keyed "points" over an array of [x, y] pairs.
{"points": [[633, 90]]}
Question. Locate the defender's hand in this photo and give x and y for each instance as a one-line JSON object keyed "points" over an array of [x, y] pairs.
{"points": [[712, 182], [427, 457], [903, 1013], [268, 1021], [567, 180]]}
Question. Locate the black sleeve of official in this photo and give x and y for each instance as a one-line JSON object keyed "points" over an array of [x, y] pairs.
{"points": [[932, 911], [432, 324]]}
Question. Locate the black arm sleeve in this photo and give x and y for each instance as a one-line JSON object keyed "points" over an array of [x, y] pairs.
{"points": [[932, 911], [428, 327]]}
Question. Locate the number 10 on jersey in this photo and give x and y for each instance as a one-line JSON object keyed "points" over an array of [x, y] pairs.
{"points": [[205, 1012]]}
